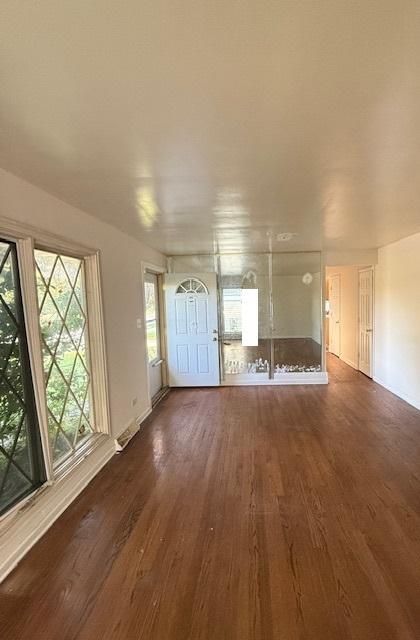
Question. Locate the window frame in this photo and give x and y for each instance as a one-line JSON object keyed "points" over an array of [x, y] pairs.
{"points": [[27, 239], [231, 335], [68, 458], [156, 318], [159, 271]]}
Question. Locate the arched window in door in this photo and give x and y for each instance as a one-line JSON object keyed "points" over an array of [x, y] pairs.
{"points": [[191, 285]]}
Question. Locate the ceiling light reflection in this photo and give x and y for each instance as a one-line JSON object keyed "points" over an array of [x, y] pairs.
{"points": [[146, 207]]}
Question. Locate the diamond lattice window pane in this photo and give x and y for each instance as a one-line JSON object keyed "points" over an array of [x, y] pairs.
{"points": [[20, 468], [61, 298], [14, 483]]}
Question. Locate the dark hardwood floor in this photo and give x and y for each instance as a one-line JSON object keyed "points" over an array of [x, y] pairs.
{"points": [[247, 513]]}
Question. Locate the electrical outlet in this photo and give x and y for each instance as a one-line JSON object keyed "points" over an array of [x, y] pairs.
{"points": [[139, 323]]}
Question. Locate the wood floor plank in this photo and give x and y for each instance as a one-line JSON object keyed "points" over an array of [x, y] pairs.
{"points": [[247, 513]]}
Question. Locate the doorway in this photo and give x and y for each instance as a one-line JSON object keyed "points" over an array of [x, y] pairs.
{"points": [[366, 321], [192, 329], [350, 315], [153, 331], [334, 341]]}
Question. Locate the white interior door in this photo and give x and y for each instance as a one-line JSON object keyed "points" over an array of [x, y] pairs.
{"points": [[334, 323], [154, 356], [365, 320], [191, 329]]}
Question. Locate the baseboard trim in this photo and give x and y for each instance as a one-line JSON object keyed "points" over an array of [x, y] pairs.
{"points": [[142, 417], [125, 437], [19, 535], [397, 392], [350, 363], [252, 380]]}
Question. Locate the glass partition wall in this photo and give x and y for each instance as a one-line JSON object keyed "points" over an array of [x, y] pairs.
{"points": [[270, 313], [244, 288], [297, 316]]}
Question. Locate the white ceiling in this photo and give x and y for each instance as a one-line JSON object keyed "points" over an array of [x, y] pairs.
{"points": [[201, 125]]}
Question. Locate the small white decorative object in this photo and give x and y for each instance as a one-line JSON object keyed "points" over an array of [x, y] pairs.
{"points": [[307, 278]]}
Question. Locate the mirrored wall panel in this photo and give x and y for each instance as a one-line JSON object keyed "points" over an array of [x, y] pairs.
{"points": [[296, 283], [270, 316], [245, 314], [194, 264]]}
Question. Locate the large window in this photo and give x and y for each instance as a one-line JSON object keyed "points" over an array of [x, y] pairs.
{"points": [[53, 383], [21, 462], [62, 308]]}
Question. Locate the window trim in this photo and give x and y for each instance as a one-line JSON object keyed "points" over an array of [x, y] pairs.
{"points": [[159, 271], [155, 319], [27, 239]]}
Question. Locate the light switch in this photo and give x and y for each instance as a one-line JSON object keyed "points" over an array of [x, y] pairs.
{"points": [[139, 323]]}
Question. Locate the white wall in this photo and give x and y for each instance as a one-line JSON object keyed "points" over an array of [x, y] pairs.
{"points": [[397, 318], [121, 258], [349, 280]]}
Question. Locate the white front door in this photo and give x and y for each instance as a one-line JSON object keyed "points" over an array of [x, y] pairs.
{"points": [[334, 324], [365, 320], [191, 329]]}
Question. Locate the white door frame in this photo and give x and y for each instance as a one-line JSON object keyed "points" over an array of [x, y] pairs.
{"points": [[372, 358], [330, 277], [159, 271]]}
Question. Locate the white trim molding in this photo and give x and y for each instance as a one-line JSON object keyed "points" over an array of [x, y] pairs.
{"points": [[37, 515], [12, 230], [159, 271], [350, 363], [397, 392], [255, 379], [133, 427], [25, 249], [96, 334]]}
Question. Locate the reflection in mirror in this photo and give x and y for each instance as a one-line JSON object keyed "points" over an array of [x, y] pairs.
{"points": [[296, 312], [244, 282], [270, 310]]}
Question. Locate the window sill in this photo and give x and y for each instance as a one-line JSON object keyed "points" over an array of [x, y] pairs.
{"points": [[22, 529], [64, 470], [68, 464]]}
